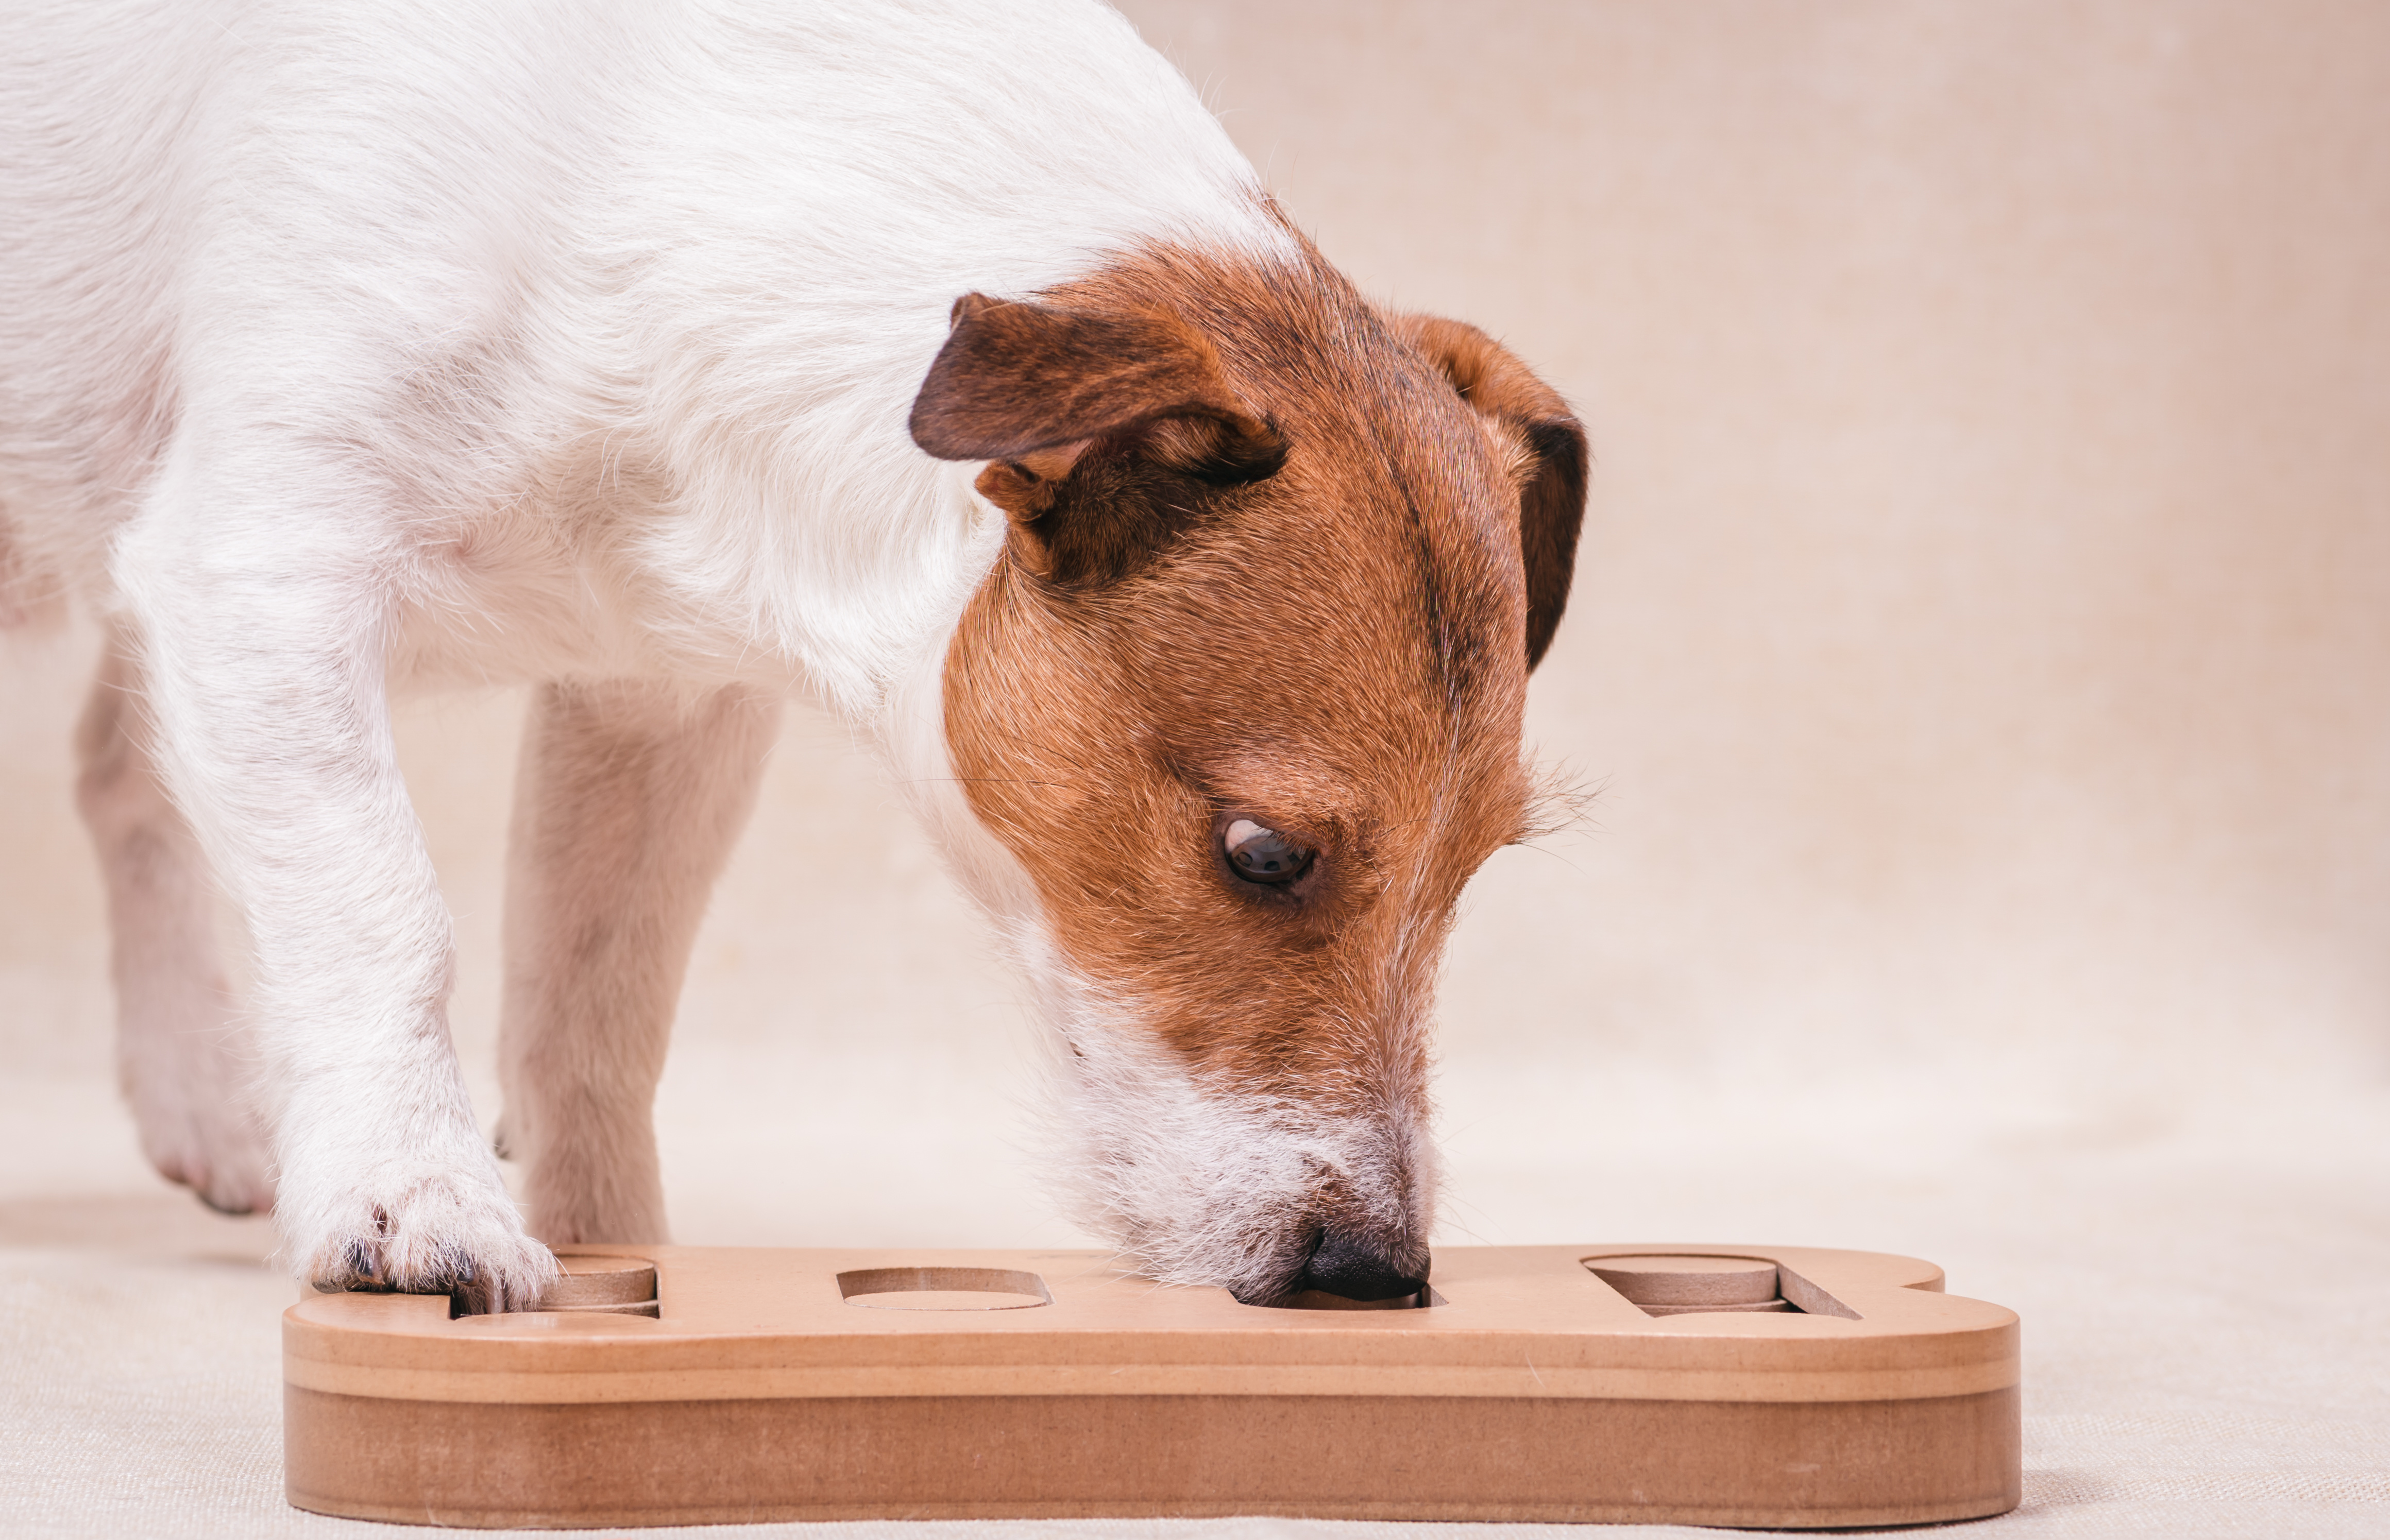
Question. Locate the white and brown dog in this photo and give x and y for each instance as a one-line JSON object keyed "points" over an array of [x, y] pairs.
{"points": [[614, 346]]}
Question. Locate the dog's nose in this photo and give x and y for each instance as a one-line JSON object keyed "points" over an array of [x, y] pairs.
{"points": [[1346, 1265]]}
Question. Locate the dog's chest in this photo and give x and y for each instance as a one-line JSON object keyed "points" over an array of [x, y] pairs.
{"points": [[517, 607], [710, 579], [547, 577]]}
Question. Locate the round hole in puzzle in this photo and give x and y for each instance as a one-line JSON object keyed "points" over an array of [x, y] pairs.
{"points": [[568, 1323], [1315, 1299], [943, 1289]]}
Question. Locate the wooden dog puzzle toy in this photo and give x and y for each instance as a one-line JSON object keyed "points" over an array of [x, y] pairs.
{"points": [[1755, 1386]]}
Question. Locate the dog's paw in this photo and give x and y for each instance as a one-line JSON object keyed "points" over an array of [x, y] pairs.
{"points": [[425, 1231], [215, 1144]]}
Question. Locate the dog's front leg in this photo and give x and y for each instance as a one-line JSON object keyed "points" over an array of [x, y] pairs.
{"points": [[627, 801], [266, 628]]}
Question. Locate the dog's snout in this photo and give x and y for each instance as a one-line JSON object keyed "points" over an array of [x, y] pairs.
{"points": [[1347, 1265]]}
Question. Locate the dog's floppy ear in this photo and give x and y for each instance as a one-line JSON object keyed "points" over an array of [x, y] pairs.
{"points": [[1086, 420], [1551, 494]]}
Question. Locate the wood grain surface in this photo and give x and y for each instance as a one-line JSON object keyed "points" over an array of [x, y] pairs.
{"points": [[778, 1384]]}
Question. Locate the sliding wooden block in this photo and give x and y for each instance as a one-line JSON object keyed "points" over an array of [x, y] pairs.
{"points": [[783, 1385], [612, 1284], [1684, 1282], [1782, 1306]]}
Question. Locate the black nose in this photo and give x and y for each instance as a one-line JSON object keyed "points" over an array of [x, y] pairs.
{"points": [[1353, 1269]]}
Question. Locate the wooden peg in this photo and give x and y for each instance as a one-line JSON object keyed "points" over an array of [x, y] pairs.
{"points": [[616, 1285]]}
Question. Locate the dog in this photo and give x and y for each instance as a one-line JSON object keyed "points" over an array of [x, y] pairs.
{"points": [[940, 363]]}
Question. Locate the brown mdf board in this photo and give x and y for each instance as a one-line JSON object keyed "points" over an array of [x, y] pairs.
{"points": [[1755, 1386]]}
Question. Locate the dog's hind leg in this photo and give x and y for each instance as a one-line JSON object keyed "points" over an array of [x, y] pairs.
{"points": [[182, 1042], [627, 802]]}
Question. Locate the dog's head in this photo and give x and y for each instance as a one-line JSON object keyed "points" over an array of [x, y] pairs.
{"points": [[1242, 698]]}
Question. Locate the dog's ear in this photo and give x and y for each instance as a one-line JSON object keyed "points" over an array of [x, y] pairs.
{"points": [[1551, 491], [1094, 425]]}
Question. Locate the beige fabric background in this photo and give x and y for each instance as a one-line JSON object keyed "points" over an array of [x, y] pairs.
{"points": [[1982, 648]]}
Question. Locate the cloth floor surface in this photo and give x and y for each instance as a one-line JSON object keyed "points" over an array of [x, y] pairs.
{"points": [[2205, 1341]]}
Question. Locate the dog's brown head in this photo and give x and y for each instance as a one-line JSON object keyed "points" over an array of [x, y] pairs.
{"points": [[1242, 698]]}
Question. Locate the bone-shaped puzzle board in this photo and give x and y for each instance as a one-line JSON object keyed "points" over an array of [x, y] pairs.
{"points": [[1756, 1386]]}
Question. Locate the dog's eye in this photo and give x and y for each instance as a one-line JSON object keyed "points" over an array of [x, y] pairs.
{"points": [[1263, 855]]}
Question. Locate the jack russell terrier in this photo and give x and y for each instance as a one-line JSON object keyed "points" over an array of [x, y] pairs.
{"points": [[939, 362]]}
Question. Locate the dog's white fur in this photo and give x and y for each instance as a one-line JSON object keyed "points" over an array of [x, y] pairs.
{"points": [[1201, 1184], [356, 347]]}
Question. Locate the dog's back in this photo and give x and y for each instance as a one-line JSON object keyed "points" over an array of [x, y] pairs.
{"points": [[497, 251]]}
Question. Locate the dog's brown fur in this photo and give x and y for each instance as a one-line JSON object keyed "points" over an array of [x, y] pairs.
{"points": [[1273, 555]]}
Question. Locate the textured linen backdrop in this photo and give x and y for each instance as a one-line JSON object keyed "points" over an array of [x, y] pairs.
{"points": [[1981, 648]]}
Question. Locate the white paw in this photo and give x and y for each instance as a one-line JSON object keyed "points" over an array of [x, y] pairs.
{"points": [[419, 1229]]}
